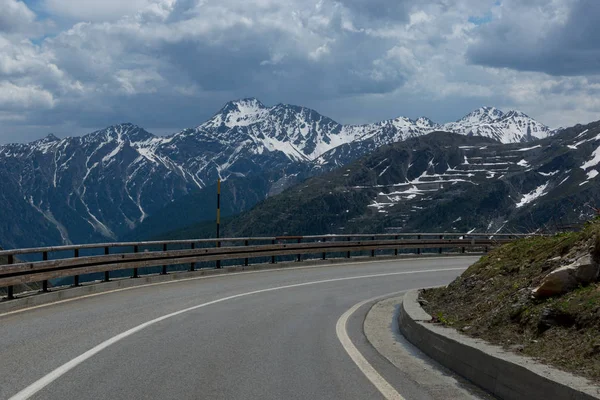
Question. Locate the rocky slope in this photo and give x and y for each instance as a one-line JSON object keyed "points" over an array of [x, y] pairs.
{"points": [[538, 296], [103, 185]]}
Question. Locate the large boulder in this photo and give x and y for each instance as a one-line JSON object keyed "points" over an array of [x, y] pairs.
{"points": [[564, 279]]}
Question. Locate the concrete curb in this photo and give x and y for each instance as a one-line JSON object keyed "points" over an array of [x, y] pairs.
{"points": [[505, 375], [34, 299]]}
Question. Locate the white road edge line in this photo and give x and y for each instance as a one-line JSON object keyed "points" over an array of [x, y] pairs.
{"points": [[357, 263], [63, 369], [387, 390]]}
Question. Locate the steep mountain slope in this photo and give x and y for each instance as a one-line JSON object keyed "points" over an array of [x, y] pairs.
{"points": [[200, 205], [443, 182], [86, 188], [103, 185]]}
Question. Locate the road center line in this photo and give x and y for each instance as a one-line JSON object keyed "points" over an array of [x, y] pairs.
{"points": [[361, 362], [63, 369]]}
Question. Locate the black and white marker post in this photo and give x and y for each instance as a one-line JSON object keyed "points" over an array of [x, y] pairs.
{"points": [[218, 217]]}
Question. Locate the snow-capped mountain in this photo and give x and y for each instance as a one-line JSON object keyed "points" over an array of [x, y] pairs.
{"points": [[304, 135], [86, 188], [510, 127], [445, 182], [101, 185]]}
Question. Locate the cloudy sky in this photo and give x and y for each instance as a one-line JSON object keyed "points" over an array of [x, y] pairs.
{"points": [[72, 66]]}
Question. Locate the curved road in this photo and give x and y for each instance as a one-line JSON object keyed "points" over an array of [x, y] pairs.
{"points": [[255, 335]]}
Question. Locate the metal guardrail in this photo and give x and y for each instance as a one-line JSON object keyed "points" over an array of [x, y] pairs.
{"points": [[17, 272]]}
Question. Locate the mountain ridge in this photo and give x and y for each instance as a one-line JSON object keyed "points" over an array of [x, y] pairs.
{"points": [[104, 184], [441, 182]]}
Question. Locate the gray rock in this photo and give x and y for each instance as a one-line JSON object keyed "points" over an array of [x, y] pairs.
{"points": [[564, 279]]}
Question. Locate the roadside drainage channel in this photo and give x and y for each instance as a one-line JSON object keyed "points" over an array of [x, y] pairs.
{"points": [[506, 375]]}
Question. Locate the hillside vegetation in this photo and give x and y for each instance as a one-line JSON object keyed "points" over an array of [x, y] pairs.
{"points": [[538, 296]]}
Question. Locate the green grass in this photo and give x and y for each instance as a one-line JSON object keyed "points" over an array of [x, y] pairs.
{"points": [[493, 299]]}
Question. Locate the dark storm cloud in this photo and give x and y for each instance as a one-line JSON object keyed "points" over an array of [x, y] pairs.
{"points": [[570, 48], [335, 62], [396, 10]]}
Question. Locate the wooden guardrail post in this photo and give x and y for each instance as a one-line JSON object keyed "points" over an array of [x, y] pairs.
{"points": [[193, 264], [45, 281], [373, 251], [273, 257], [106, 273], [246, 242], [348, 253], [396, 249], [441, 237], [418, 248], [324, 253], [76, 277], [10, 290], [218, 264], [164, 267], [299, 255], [135, 270]]}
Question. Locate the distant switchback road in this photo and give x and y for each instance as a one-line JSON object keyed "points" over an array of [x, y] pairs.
{"points": [[259, 335]]}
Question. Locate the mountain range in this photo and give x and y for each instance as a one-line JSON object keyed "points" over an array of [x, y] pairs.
{"points": [[107, 184], [441, 182]]}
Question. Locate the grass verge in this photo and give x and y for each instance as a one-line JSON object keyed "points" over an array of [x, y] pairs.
{"points": [[492, 300]]}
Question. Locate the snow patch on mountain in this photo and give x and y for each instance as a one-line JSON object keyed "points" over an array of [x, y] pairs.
{"points": [[531, 196], [595, 160]]}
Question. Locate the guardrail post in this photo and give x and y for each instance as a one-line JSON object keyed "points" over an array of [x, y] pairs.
{"points": [[299, 255], [45, 281], [348, 253], [462, 250], [10, 290], [76, 277], [486, 249], [396, 249], [106, 273], [135, 270], [246, 259], [164, 267], [273, 257], [373, 251], [218, 245], [441, 237], [418, 249], [193, 265], [324, 253]]}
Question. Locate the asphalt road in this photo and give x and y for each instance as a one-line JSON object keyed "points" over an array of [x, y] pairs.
{"points": [[260, 335]]}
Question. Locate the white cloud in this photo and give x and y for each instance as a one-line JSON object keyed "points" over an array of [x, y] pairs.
{"points": [[15, 17], [173, 62], [13, 97], [135, 81]]}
